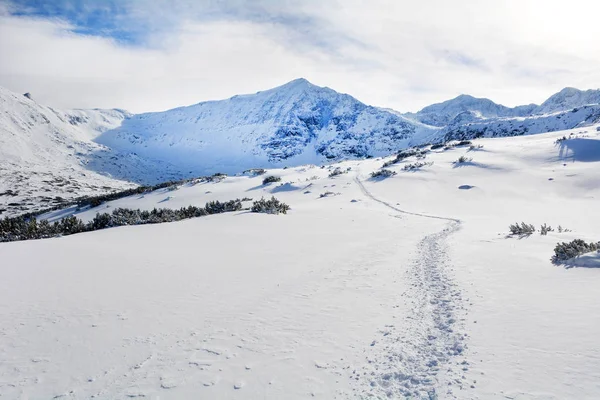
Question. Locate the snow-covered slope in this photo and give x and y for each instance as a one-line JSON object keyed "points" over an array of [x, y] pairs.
{"points": [[47, 155], [289, 125], [400, 288]]}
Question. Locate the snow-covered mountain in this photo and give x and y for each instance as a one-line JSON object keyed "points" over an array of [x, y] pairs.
{"points": [[518, 126], [568, 99], [301, 123], [47, 155], [289, 125], [466, 117], [467, 108]]}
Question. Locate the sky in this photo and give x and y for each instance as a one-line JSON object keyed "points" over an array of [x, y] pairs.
{"points": [[153, 55]]}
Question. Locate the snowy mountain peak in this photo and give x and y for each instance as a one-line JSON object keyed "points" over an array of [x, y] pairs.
{"points": [[297, 122], [442, 114], [463, 102], [569, 98], [298, 82]]}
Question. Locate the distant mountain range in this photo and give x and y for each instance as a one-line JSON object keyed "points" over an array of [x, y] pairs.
{"points": [[467, 117], [297, 123], [302, 123]]}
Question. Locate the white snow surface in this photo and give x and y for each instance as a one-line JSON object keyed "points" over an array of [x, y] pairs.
{"points": [[406, 287]]}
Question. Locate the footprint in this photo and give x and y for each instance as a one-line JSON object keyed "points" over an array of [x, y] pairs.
{"points": [[167, 383], [238, 385]]}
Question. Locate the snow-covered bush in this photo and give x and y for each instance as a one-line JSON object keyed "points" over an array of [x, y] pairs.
{"points": [[463, 159], [473, 147], [382, 173], [327, 194], [25, 228], [218, 177], [271, 179], [560, 229], [255, 171], [564, 251], [404, 154], [544, 229], [336, 172], [416, 166], [559, 140], [216, 207], [389, 163], [522, 229], [272, 206], [464, 143]]}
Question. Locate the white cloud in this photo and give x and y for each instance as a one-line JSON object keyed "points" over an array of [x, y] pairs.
{"points": [[397, 54]]}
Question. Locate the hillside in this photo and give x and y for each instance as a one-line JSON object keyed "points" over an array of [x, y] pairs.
{"points": [[47, 155], [405, 287]]}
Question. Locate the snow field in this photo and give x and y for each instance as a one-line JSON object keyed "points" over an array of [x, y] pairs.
{"points": [[352, 295]]}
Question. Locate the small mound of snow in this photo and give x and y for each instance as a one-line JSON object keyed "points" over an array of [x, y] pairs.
{"points": [[286, 187]]}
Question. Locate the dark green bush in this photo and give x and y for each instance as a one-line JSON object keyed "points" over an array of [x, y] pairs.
{"points": [[272, 206], [382, 173], [337, 171], [565, 251], [521, 229], [25, 228], [271, 179], [255, 171], [463, 159]]}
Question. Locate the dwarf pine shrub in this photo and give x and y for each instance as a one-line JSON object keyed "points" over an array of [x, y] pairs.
{"points": [[404, 154], [521, 229], [327, 194], [272, 206], [337, 171], [255, 171], [382, 173], [416, 166], [565, 251], [271, 179], [26, 228], [544, 229], [464, 143], [463, 159]]}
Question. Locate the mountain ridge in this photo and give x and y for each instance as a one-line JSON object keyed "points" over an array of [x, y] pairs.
{"points": [[297, 122], [46, 153]]}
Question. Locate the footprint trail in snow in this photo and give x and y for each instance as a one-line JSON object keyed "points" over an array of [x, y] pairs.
{"points": [[423, 356]]}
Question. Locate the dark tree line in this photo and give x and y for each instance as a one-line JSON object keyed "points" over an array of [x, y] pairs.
{"points": [[95, 201], [26, 228]]}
